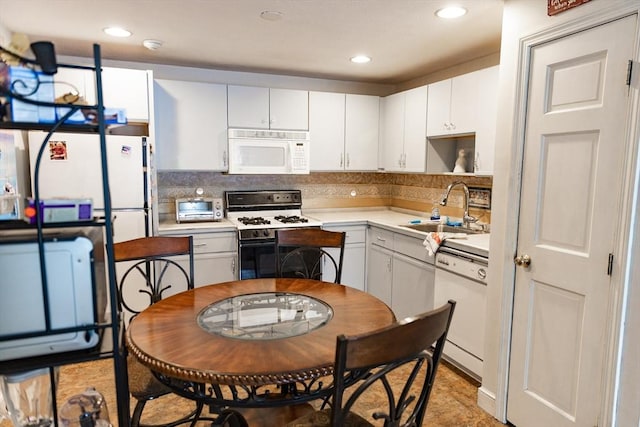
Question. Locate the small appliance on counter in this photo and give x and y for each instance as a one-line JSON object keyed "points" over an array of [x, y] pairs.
{"points": [[199, 208]]}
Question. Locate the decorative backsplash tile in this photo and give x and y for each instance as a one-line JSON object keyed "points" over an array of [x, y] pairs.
{"points": [[326, 190]]}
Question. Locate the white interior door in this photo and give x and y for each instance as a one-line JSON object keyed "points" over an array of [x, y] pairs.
{"points": [[573, 159]]}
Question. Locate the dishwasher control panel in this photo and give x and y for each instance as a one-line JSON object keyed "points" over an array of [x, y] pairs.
{"points": [[467, 265]]}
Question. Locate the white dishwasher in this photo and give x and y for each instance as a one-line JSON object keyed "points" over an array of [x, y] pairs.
{"points": [[462, 276]]}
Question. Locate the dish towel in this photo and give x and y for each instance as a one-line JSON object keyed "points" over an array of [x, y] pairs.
{"points": [[433, 240]]}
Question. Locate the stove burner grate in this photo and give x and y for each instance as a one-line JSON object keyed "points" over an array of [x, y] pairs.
{"points": [[257, 220], [292, 219]]}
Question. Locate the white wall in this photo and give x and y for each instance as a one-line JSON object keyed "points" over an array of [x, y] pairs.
{"points": [[520, 18]]}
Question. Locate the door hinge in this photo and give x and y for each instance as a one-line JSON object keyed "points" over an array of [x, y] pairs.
{"points": [[629, 70], [610, 265]]}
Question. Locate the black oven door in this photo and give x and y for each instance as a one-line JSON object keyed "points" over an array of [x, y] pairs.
{"points": [[258, 260]]}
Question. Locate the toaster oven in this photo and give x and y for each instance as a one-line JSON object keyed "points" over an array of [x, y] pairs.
{"points": [[199, 209]]}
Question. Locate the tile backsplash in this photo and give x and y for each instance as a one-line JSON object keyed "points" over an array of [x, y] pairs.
{"points": [[417, 192]]}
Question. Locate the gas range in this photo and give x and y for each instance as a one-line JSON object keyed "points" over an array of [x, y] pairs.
{"points": [[257, 214]]}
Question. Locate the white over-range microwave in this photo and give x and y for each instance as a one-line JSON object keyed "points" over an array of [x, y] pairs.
{"points": [[256, 151]]}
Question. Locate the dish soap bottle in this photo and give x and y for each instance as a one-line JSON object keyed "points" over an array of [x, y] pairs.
{"points": [[435, 213]]}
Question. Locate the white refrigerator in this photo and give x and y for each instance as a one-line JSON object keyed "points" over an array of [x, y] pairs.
{"points": [[71, 168]]}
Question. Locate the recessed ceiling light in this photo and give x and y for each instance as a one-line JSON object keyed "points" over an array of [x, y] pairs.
{"points": [[117, 32], [271, 15], [451, 12], [361, 59]]}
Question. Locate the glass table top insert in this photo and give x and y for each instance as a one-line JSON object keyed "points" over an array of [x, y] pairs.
{"points": [[264, 316]]}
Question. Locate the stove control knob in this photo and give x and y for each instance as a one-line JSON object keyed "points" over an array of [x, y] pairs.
{"points": [[265, 233], [256, 233]]}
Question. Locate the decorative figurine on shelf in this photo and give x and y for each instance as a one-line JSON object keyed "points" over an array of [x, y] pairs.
{"points": [[461, 162]]}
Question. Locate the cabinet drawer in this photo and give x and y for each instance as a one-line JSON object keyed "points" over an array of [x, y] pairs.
{"points": [[412, 247], [210, 242], [355, 233], [381, 237], [214, 242]]}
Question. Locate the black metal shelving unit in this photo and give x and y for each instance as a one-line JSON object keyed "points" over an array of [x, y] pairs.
{"points": [[111, 342]]}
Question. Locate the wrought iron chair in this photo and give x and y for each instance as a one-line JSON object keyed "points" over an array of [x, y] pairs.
{"points": [[368, 359], [300, 252], [152, 270]]}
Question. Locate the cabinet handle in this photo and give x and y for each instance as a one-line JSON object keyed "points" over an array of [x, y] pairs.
{"points": [[233, 266], [224, 158], [380, 239], [341, 159], [199, 245], [348, 161]]}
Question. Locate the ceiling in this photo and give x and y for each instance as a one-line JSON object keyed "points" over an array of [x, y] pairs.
{"points": [[313, 38]]}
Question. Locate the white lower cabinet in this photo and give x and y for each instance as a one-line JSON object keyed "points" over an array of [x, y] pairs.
{"points": [[353, 263], [400, 272], [215, 255]]}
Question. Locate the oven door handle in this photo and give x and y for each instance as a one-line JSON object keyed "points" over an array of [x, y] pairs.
{"points": [[256, 243]]}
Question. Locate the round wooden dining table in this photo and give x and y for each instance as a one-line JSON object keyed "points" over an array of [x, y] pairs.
{"points": [[212, 341]]}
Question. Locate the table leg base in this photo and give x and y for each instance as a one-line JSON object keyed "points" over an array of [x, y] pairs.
{"points": [[275, 416]]}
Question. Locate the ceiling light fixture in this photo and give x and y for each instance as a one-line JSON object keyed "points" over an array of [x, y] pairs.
{"points": [[451, 12], [117, 32], [360, 59], [271, 15], [152, 44]]}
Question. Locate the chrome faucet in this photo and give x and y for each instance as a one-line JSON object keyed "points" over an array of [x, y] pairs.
{"points": [[466, 219]]}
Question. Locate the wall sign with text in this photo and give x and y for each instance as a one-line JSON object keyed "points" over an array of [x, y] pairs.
{"points": [[556, 6]]}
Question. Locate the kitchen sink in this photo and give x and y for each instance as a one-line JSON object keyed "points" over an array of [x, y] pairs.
{"points": [[428, 228]]}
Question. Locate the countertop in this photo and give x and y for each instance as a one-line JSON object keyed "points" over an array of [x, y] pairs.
{"points": [[390, 218], [394, 219]]}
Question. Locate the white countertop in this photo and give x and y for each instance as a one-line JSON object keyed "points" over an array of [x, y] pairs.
{"points": [[384, 217], [394, 219]]}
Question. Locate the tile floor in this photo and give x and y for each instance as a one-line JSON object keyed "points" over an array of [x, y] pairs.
{"points": [[452, 403]]}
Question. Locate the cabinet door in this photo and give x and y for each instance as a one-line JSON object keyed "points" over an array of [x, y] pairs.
{"points": [[439, 108], [487, 115], [289, 109], [413, 286], [181, 108], [129, 89], [213, 268], [415, 130], [464, 103], [121, 88], [362, 117], [326, 130], [248, 107], [379, 273], [392, 130]]}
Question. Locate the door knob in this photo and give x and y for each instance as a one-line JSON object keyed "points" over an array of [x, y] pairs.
{"points": [[522, 260]]}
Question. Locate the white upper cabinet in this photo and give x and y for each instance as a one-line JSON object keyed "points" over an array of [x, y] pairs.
{"points": [[129, 89], [462, 113], [487, 115], [452, 105], [343, 131], [392, 132], [121, 88], [362, 115], [264, 108], [326, 131], [403, 127], [181, 110]]}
